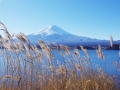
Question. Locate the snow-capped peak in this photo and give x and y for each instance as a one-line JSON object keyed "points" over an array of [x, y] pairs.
{"points": [[53, 33], [51, 29]]}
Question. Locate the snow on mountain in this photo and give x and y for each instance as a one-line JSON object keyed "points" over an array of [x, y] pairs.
{"points": [[49, 30], [53, 33]]}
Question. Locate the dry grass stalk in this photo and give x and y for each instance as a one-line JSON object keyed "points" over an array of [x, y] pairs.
{"points": [[38, 53], [85, 50], [65, 48], [22, 38], [115, 63], [76, 52], [111, 40], [100, 70], [100, 53], [8, 36], [78, 75], [10, 77], [56, 46]]}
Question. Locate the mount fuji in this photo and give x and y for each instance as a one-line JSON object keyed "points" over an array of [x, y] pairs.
{"points": [[53, 33]]}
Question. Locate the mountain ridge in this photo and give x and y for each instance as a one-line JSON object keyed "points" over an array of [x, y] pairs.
{"points": [[53, 33], [51, 29]]}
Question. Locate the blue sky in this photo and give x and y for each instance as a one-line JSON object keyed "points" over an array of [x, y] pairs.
{"points": [[90, 18]]}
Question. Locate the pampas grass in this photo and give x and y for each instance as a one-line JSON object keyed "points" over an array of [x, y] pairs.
{"points": [[111, 40], [25, 67], [100, 53]]}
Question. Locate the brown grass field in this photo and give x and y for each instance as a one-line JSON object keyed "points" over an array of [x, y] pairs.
{"points": [[24, 67]]}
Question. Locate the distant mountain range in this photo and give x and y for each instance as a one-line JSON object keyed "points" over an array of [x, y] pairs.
{"points": [[53, 33]]}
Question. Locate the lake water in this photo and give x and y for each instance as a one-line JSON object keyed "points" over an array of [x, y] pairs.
{"points": [[111, 56], [106, 64]]}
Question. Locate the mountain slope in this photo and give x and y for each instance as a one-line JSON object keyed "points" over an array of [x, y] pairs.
{"points": [[53, 33]]}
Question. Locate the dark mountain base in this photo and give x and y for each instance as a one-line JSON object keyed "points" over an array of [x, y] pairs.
{"points": [[114, 47]]}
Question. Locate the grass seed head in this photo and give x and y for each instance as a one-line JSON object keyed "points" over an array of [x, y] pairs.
{"points": [[111, 41]]}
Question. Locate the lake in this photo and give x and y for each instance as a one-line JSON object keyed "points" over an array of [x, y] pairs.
{"points": [[111, 56]]}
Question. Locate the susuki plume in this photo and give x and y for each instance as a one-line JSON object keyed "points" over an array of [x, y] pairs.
{"points": [[111, 41], [76, 54], [22, 38], [100, 53], [85, 50], [26, 67], [56, 46], [8, 36], [65, 48]]}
